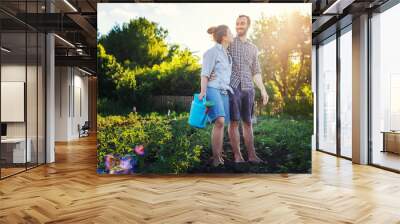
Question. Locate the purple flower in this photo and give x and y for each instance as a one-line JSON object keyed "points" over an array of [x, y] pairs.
{"points": [[127, 164]]}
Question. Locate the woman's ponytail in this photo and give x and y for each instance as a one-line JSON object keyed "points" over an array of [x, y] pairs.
{"points": [[218, 32], [211, 30]]}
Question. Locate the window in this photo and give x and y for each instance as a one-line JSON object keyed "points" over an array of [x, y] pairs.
{"points": [[385, 89], [327, 96], [22, 77], [346, 93]]}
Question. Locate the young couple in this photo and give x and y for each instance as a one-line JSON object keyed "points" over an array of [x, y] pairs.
{"points": [[228, 71]]}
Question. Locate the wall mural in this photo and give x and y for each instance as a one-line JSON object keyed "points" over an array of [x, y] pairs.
{"points": [[204, 88]]}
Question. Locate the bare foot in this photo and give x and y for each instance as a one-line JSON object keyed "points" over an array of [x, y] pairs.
{"points": [[255, 159], [217, 161], [222, 155], [239, 159]]}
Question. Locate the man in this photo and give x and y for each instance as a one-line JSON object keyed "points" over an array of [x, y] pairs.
{"points": [[245, 70]]}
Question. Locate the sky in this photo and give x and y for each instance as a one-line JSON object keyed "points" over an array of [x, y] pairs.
{"points": [[187, 23]]}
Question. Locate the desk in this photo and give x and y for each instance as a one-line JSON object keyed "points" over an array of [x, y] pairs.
{"points": [[391, 141], [16, 147]]}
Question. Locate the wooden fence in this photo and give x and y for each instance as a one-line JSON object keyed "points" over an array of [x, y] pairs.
{"points": [[172, 102], [180, 103]]}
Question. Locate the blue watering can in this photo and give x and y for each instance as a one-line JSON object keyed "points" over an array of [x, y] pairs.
{"points": [[198, 112]]}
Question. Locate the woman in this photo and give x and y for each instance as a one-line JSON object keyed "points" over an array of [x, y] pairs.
{"points": [[218, 62]]}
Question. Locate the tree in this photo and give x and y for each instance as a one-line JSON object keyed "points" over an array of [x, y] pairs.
{"points": [[124, 83], [113, 77], [284, 44], [180, 77], [137, 43]]}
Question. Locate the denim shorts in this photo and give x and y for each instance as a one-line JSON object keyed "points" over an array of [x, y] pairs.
{"points": [[220, 99], [241, 104]]}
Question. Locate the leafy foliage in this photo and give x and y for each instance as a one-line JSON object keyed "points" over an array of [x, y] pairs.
{"points": [[138, 43], [128, 79], [139, 63], [114, 78], [168, 144], [285, 55], [180, 76], [172, 146], [286, 143]]}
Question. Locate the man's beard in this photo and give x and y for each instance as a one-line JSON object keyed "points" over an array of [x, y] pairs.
{"points": [[241, 34]]}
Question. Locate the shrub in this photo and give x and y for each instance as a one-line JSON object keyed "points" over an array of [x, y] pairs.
{"points": [[286, 143], [172, 146]]}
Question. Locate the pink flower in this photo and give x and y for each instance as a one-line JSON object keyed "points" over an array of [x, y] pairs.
{"points": [[139, 149]]}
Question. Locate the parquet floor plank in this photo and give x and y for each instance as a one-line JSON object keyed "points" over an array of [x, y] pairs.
{"points": [[70, 191]]}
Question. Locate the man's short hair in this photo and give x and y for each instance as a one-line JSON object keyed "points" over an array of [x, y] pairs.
{"points": [[248, 19]]}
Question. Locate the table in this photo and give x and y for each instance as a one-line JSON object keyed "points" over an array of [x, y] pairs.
{"points": [[16, 147]]}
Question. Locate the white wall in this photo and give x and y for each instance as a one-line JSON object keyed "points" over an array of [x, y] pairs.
{"points": [[62, 82], [11, 73], [33, 126], [80, 110], [16, 73], [71, 94]]}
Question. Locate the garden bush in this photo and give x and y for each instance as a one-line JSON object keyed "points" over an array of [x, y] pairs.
{"points": [[172, 146], [285, 143]]}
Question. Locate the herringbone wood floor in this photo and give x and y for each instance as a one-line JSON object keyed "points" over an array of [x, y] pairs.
{"points": [[70, 191]]}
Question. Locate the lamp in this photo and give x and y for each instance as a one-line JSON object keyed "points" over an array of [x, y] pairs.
{"points": [[5, 50], [64, 40], [84, 71], [338, 6], [70, 5]]}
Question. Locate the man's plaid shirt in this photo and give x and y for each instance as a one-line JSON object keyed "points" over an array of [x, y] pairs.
{"points": [[245, 63]]}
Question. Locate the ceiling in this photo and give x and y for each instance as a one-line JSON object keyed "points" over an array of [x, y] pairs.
{"points": [[330, 15], [75, 22]]}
